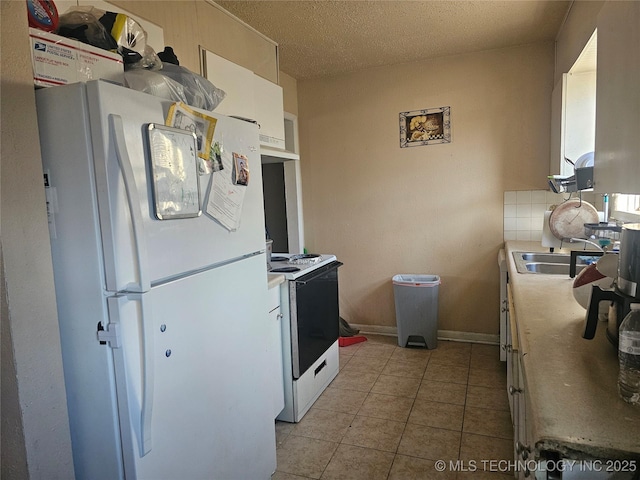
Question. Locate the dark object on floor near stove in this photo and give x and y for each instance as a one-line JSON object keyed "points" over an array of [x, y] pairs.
{"points": [[346, 330]]}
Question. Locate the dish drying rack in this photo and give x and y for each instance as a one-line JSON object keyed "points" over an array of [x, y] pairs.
{"points": [[602, 230], [582, 178], [600, 235]]}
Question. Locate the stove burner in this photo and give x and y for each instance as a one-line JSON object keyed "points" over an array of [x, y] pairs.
{"points": [[285, 269], [279, 259]]}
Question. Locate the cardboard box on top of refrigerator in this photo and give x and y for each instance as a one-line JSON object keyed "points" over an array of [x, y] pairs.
{"points": [[59, 60]]}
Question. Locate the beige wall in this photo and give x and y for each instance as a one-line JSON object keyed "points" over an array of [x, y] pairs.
{"points": [[434, 209], [290, 93], [36, 442]]}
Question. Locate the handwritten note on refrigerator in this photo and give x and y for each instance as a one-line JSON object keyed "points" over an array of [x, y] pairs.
{"points": [[226, 197]]}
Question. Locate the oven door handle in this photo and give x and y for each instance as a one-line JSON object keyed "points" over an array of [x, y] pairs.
{"points": [[320, 272]]}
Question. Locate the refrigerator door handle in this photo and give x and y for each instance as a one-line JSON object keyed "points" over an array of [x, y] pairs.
{"points": [[117, 132], [129, 416], [147, 373]]}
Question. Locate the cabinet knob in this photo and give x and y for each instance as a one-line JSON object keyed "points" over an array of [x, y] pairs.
{"points": [[513, 390], [505, 306]]}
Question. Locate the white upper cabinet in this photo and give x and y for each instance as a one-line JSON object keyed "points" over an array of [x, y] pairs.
{"points": [[269, 112], [617, 143], [237, 83], [557, 163], [573, 116], [580, 115], [248, 96]]}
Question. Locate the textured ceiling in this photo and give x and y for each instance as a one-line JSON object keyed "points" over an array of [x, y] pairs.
{"points": [[320, 38]]}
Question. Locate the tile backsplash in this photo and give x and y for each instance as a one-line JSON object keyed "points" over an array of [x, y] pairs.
{"points": [[524, 212]]}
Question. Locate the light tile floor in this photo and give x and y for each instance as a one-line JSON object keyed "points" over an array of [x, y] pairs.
{"points": [[392, 413]]}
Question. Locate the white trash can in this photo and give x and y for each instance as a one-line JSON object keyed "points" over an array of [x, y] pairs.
{"points": [[416, 298]]}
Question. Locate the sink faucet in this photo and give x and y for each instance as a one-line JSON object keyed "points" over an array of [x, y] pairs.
{"points": [[587, 241]]}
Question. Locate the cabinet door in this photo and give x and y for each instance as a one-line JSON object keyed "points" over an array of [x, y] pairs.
{"points": [[269, 107], [522, 445], [514, 405], [511, 348], [557, 165], [248, 96], [504, 319], [275, 337], [617, 164], [236, 81]]}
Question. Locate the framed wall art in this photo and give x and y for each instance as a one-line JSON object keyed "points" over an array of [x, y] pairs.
{"points": [[425, 127]]}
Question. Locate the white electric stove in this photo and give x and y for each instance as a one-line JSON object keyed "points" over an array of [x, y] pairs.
{"points": [[293, 266], [310, 328]]}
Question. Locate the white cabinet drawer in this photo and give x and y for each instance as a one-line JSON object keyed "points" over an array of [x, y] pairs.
{"points": [[312, 383]]}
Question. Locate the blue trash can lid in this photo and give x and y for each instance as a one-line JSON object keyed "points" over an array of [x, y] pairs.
{"points": [[411, 280]]}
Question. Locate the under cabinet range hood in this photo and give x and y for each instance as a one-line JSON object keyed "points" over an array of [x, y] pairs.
{"points": [[276, 155]]}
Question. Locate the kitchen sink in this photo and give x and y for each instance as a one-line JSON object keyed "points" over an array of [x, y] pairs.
{"points": [[550, 263], [551, 268], [545, 257]]}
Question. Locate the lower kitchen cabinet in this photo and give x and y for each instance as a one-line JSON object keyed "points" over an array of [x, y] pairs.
{"points": [[275, 340], [522, 440], [517, 394], [504, 306], [529, 463], [568, 421]]}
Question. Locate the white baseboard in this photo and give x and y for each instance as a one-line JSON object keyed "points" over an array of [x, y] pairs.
{"points": [[471, 337], [375, 329], [451, 335]]}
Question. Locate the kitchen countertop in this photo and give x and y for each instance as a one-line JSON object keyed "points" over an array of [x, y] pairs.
{"points": [[571, 382], [274, 279]]}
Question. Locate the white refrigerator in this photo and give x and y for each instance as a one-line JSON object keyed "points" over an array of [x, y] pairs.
{"points": [[163, 323]]}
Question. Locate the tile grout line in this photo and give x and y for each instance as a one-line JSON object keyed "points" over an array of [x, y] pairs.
{"points": [[404, 429], [356, 414], [380, 372]]}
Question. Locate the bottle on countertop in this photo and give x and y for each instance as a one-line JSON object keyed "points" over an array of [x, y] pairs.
{"points": [[629, 356]]}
